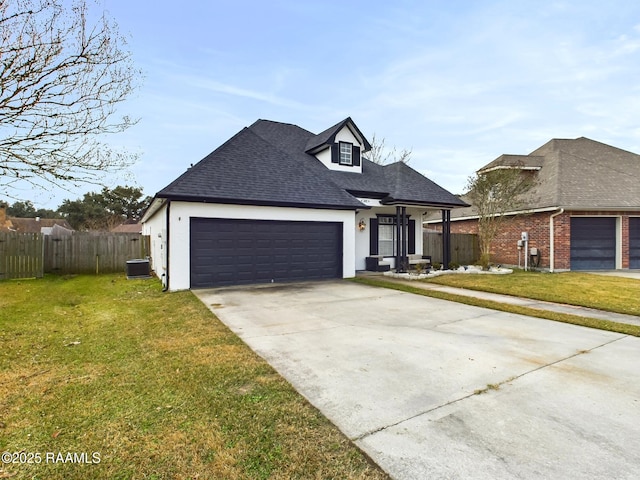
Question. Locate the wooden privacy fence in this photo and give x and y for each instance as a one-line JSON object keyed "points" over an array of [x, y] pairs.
{"points": [[21, 255], [464, 247], [30, 255]]}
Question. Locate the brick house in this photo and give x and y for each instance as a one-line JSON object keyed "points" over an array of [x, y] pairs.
{"points": [[582, 214]]}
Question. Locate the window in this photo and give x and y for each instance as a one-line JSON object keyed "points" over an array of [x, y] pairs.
{"points": [[384, 236], [346, 156], [386, 240], [387, 236]]}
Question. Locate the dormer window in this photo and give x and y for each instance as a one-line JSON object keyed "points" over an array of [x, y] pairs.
{"points": [[339, 147], [346, 153]]}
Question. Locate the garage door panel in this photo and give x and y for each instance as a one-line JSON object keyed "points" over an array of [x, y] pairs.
{"points": [[231, 252], [593, 243]]}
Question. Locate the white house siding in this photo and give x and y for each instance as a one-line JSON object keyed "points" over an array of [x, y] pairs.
{"points": [[343, 135], [181, 213], [155, 227], [363, 237]]}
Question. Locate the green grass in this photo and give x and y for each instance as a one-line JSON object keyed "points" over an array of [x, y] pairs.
{"points": [[504, 307], [154, 385], [613, 294]]}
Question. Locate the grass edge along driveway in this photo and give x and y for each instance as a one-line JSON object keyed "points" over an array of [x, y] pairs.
{"points": [[609, 293], [119, 380], [622, 291]]}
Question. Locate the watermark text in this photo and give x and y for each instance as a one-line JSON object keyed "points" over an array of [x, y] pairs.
{"points": [[82, 458]]}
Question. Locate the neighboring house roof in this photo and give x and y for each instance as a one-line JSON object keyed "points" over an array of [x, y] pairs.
{"points": [[268, 164], [524, 162], [575, 174], [589, 174], [56, 231], [128, 228], [36, 225]]}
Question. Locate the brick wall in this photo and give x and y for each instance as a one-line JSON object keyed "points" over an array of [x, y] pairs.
{"points": [[504, 248], [562, 241]]}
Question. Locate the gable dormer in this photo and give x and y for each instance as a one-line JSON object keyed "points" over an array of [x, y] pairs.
{"points": [[340, 147]]}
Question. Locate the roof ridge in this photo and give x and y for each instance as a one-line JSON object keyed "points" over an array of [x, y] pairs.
{"points": [[278, 122], [324, 136]]}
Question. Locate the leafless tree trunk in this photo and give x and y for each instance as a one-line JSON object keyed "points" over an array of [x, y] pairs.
{"points": [[62, 78]]}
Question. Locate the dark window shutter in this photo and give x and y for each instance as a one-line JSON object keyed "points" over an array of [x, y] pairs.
{"points": [[373, 236], [356, 156], [412, 237], [335, 153]]}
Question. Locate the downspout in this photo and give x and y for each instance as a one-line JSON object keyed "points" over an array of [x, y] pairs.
{"points": [[552, 240], [167, 250]]}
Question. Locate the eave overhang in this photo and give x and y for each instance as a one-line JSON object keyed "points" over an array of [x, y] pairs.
{"points": [[264, 203]]}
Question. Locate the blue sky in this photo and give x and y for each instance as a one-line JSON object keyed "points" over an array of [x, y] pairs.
{"points": [[459, 82]]}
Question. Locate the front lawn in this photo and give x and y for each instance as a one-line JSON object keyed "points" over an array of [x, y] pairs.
{"points": [[415, 288], [613, 294], [101, 377]]}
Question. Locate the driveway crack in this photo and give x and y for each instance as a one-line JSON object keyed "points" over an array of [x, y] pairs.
{"points": [[494, 386]]}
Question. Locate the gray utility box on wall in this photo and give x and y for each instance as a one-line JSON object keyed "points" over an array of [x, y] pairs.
{"points": [[138, 268]]}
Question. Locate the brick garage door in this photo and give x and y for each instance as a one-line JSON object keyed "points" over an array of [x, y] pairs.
{"points": [[634, 242], [593, 243], [237, 252]]}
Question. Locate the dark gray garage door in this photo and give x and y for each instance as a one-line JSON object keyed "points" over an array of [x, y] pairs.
{"points": [[634, 242], [593, 243], [237, 252]]}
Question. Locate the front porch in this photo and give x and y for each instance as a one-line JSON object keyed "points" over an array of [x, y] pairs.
{"points": [[390, 238]]}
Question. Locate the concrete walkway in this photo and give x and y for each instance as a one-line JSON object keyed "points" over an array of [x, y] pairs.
{"points": [[441, 390], [523, 302]]}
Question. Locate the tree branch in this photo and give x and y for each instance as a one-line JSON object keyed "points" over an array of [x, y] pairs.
{"points": [[61, 83]]}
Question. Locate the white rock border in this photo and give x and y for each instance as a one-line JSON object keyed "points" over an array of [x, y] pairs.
{"points": [[471, 269]]}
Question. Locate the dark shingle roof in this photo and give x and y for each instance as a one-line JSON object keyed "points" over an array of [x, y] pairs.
{"points": [[409, 186], [327, 137], [249, 170], [267, 164]]}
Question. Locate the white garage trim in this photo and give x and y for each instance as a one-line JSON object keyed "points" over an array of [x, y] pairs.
{"points": [[181, 213]]}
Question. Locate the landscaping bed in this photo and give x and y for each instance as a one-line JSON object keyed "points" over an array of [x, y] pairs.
{"points": [[464, 270]]}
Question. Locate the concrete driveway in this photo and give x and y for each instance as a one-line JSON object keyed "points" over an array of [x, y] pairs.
{"points": [[434, 389], [635, 274]]}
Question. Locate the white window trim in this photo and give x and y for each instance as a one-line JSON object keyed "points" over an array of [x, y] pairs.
{"points": [[350, 153]]}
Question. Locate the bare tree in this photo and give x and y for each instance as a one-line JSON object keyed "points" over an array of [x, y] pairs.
{"points": [[494, 193], [62, 78], [381, 155]]}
